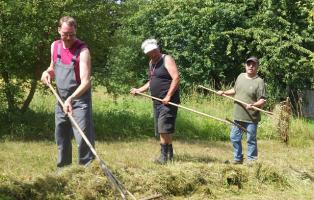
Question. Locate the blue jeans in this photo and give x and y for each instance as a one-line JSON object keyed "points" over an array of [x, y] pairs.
{"points": [[236, 137]]}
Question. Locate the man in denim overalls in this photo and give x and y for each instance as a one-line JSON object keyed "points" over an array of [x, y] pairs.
{"points": [[71, 67]]}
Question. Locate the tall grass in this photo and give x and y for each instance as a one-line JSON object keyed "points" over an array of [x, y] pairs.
{"points": [[124, 128], [127, 117]]}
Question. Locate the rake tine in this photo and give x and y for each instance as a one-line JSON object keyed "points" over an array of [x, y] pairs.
{"points": [[112, 178], [119, 185], [122, 186]]}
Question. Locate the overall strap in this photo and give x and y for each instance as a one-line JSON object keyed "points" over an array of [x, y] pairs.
{"points": [[59, 51], [78, 50]]}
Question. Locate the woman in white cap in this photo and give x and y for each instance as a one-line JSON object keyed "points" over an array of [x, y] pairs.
{"points": [[163, 83]]}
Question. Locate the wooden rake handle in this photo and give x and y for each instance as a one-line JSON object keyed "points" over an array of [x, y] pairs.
{"points": [[226, 121], [116, 183], [75, 123], [237, 100], [189, 109]]}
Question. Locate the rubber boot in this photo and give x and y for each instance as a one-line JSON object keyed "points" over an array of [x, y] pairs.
{"points": [[163, 155], [170, 152]]}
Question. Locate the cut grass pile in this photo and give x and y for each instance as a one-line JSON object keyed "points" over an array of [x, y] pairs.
{"points": [[124, 131], [199, 172]]}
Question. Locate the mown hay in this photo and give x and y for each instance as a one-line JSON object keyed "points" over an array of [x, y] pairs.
{"points": [[268, 174], [232, 175], [70, 183]]}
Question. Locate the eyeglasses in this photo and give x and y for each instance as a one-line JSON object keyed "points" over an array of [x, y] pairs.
{"points": [[67, 34], [251, 64]]}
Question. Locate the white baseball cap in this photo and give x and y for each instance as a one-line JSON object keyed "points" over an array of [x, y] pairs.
{"points": [[149, 45]]}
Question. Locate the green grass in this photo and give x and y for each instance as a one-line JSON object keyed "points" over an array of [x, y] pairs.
{"points": [[282, 172], [125, 141], [128, 118]]}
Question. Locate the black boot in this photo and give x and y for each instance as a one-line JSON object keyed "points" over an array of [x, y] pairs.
{"points": [[170, 152], [163, 154]]}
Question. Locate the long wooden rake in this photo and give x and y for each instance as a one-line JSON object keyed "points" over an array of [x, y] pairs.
{"points": [[226, 121], [237, 100], [281, 116], [114, 182]]}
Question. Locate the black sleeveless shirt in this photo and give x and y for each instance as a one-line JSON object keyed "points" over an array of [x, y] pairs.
{"points": [[160, 81]]}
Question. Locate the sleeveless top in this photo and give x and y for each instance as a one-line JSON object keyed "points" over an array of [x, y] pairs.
{"points": [[67, 69], [67, 55], [160, 81]]}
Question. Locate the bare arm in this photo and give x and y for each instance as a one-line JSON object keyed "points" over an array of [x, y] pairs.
{"points": [[85, 72], [144, 88], [49, 72], [259, 103], [173, 71], [230, 92]]}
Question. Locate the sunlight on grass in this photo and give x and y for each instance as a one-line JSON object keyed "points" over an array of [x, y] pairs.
{"points": [[125, 141], [198, 172]]}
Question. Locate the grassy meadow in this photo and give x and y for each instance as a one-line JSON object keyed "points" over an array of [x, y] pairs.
{"points": [[125, 141]]}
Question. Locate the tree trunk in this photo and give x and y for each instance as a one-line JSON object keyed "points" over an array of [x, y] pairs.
{"points": [[40, 62], [30, 95], [7, 90]]}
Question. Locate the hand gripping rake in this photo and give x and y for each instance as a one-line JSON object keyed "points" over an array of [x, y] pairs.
{"points": [[281, 116], [115, 183], [237, 100], [226, 121]]}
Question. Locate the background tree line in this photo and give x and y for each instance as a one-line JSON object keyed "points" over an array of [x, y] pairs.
{"points": [[27, 28], [209, 40]]}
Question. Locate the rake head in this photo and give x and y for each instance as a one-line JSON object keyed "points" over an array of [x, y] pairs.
{"points": [[117, 185], [283, 112], [114, 182]]}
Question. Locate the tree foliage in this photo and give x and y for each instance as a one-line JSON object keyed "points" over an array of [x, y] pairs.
{"points": [[27, 28], [210, 40]]}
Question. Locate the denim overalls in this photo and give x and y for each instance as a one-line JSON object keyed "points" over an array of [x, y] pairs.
{"points": [[82, 113]]}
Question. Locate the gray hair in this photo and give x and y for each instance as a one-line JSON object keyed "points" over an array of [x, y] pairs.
{"points": [[68, 20]]}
